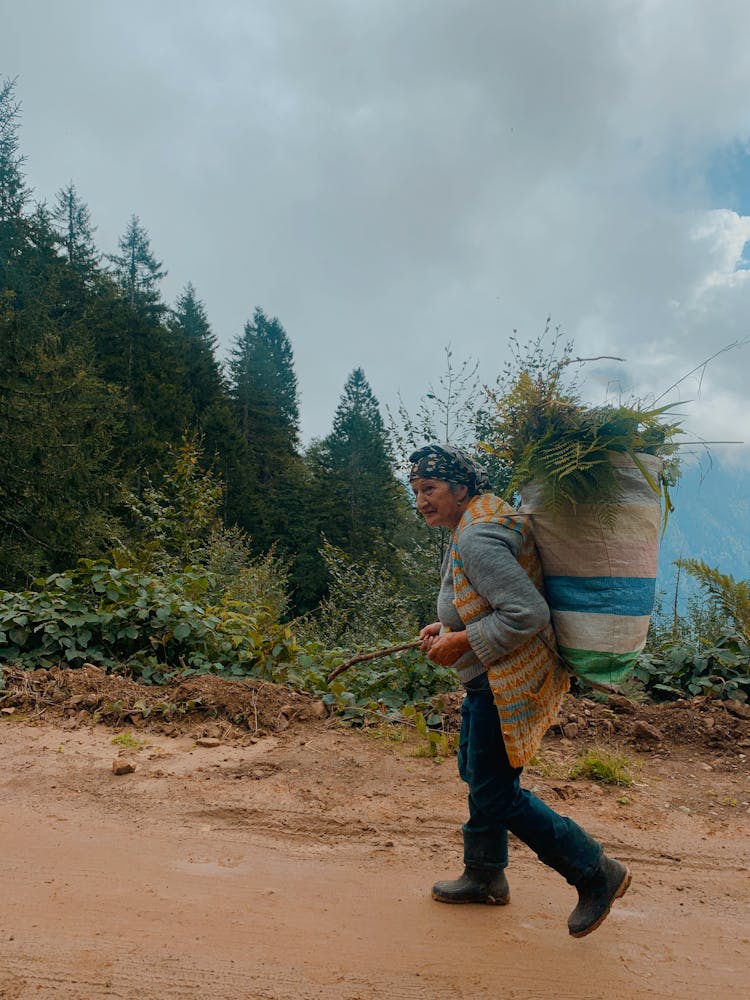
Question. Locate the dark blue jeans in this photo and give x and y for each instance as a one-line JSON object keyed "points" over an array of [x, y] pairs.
{"points": [[497, 803]]}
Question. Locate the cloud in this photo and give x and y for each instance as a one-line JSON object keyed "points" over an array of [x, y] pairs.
{"points": [[388, 177]]}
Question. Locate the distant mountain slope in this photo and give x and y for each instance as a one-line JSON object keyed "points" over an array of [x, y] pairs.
{"points": [[711, 522]]}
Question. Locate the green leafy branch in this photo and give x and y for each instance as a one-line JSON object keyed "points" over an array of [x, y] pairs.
{"points": [[541, 431]]}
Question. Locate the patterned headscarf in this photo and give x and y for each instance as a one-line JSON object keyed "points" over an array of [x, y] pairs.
{"points": [[443, 461]]}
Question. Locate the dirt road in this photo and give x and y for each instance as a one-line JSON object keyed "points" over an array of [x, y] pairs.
{"points": [[297, 864]]}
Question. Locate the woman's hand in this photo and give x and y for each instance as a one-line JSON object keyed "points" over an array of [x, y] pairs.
{"points": [[445, 649], [428, 635]]}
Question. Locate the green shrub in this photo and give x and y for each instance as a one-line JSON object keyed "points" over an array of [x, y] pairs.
{"points": [[172, 519], [116, 616], [364, 607], [379, 690], [720, 670], [728, 596], [237, 573]]}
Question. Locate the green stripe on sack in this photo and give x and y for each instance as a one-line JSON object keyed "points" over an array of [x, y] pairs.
{"points": [[601, 668]]}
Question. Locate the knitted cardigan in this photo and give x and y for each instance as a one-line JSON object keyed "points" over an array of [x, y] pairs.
{"points": [[529, 682]]}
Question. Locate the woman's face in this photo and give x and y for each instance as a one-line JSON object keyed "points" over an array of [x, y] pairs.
{"points": [[438, 504]]}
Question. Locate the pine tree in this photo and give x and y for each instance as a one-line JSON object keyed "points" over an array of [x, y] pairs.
{"points": [[57, 481], [263, 389], [140, 354], [202, 374], [224, 447], [359, 499], [14, 194], [137, 271], [15, 237], [76, 232], [57, 418]]}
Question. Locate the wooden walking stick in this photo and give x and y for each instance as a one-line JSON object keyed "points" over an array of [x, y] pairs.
{"points": [[360, 657]]}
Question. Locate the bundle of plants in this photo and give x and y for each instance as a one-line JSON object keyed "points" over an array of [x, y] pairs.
{"points": [[594, 480]]}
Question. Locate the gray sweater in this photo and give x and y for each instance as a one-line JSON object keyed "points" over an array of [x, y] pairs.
{"points": [[517, 610]]}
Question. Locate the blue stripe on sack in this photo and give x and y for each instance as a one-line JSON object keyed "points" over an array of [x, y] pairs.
{"points": [[516, 712], [612, 595]]}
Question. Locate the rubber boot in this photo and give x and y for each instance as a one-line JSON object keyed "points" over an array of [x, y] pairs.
{"points": [[596, 894], [476, 885]]}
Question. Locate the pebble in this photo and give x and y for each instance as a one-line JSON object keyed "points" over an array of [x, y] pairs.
{"points": [[621, 704], [738, 708], [208, 741], [120, 766], [643, 731]]}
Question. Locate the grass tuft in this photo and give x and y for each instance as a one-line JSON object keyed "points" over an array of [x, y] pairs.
{"points": [[604, 766], [127, 740]]}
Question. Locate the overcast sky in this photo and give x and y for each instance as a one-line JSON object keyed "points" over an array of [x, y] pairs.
{"points": [[390, 176]]}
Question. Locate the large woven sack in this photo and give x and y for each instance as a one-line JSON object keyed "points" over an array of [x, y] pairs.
{"points": [[600, 581]]}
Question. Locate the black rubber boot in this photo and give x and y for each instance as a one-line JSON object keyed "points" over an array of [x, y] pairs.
{"points": [[476, 885], [596, 894]]}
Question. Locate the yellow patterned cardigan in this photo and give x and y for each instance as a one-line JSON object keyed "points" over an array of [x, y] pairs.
{"points": [[528, 683]]}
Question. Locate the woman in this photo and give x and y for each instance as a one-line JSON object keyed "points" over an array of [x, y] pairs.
{"points": [[494, 629]]}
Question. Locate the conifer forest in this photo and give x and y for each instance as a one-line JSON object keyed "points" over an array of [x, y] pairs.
{"points": [[132, 451], [374, 500], [158, 512]]}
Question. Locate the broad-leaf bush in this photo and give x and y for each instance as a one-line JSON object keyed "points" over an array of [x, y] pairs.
{"points": [[380, 689], [185, 594], [119, 617], [720, 670]]}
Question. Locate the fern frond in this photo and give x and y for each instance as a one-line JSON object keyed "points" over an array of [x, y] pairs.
{"points": [[732, 596], [543, 432]]}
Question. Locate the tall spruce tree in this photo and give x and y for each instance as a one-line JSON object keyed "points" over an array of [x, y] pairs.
{"points": [[212, 412], [14, 193], [137, 271], [359, 499], [76, 232], [263, 389], [140, 354], [202, 374]]}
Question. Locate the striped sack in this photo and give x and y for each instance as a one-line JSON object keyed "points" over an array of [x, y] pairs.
{"points": [[601, 582]]}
